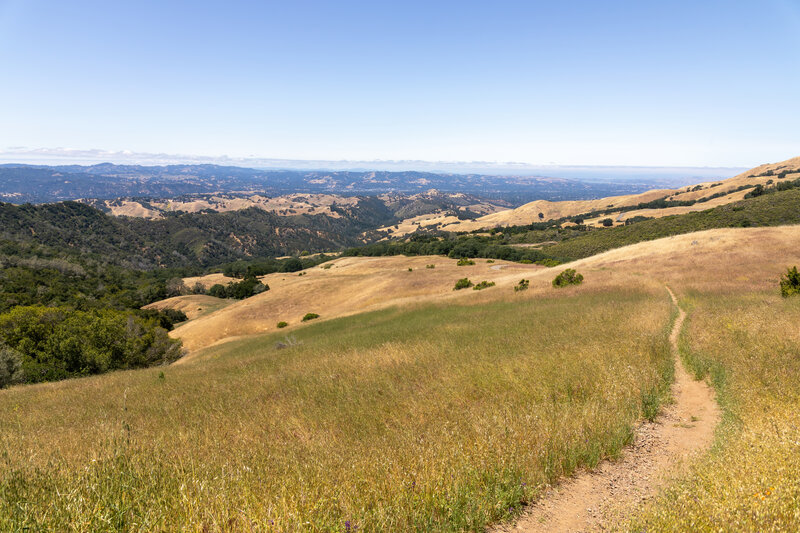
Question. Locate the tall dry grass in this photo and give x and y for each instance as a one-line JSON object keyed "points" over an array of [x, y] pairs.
{"points": [[436, 418], [748, 345]]}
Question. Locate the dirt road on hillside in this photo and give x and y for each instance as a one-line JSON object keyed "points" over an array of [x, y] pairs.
{"points": [[608, 495]]}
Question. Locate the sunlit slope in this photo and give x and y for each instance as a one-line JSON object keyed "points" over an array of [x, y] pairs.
{"points": [[346, 286], [290, 204], [437, 418], [192, 305], [432, 416], [529, 212], [355, 284]]}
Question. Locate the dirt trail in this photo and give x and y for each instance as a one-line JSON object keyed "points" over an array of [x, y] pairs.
{"points": [[597, 500]]}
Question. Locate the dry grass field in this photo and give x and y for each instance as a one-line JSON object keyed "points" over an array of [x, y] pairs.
{"points": [[356, 284], [192, 305], [441, 417], [747, 344], [345, 286], [423, 408]]}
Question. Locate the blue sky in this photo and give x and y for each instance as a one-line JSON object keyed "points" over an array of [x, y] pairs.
{"points": [[615, 83]]}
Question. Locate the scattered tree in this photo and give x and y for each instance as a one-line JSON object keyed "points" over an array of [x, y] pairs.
{"points": [[568, 277], [522, 285], [607, 222], [463, 283], [176, 287], [218, 291], [10, 367], [293, 264], [790, 282]]}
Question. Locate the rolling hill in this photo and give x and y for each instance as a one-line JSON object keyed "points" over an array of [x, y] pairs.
{"points": [[356, 284], [701, 196], [439, 413]]}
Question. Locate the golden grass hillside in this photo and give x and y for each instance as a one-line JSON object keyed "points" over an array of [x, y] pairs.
{"points": [[529, 212], [356, 284], [439, 414], [192, 305], [345, 286], [438, 418]]}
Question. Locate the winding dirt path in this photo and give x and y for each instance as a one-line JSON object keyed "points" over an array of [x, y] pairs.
{"points": [[607, 495]]}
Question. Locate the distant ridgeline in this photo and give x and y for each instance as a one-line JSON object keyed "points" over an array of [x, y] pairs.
{"points": [[32, 183]]}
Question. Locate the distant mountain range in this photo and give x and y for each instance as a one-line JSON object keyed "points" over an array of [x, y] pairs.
{"points": [[40, 184]]}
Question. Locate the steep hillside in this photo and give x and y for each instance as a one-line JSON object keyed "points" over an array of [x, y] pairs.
{"points": [[188, 239]]}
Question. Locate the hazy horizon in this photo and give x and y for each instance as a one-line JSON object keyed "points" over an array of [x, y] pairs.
{"points": [[673, 174], [624, 84]]}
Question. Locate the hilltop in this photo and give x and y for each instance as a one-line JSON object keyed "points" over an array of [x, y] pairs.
{"points": [[652, 204]]}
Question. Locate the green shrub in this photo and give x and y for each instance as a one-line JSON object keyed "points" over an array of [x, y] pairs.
{"points": [[483, 285], [292, 264], [175, 316], [549, 262], [310, 316], [790, 282], [410, 269], [430, 266], [326, 266], [245, 288], [10, 367], [490, 260], [218, 291], [526, 261], [568, 277], [463, 283], [607, 222], [58, 342], [522, 285], [282, 324], [465, 262]]}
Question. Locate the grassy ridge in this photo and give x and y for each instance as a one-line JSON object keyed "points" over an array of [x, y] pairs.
{"points": [[779, 208], [748, 346], [439, 418]]}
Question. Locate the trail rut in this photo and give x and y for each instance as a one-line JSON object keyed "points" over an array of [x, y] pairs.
{"points": [[606, 496]]}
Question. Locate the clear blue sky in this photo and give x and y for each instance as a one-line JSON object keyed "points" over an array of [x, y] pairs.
{"points": [[640, 82]]}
